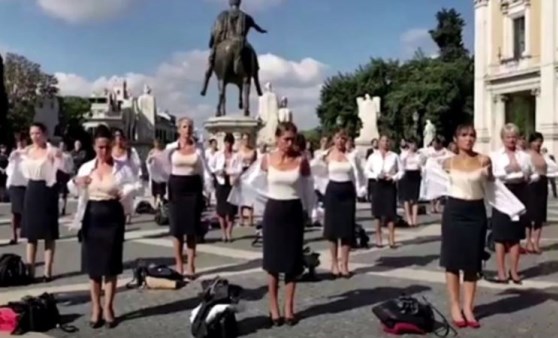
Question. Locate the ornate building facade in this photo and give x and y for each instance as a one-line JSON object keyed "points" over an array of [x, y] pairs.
{"points": [[516, 60]]}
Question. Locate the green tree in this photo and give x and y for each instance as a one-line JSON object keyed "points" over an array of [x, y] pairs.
{"points": [[73, 111], [448, 35], [26, 86]]}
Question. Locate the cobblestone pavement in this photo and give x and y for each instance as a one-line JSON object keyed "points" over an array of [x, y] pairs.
{"points": [[328, 308]]}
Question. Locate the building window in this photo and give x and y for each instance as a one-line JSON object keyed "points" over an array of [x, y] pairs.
{"points": [[518, 37]]}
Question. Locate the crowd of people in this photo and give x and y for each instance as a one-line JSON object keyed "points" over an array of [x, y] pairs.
{"points": [[287, 186]]}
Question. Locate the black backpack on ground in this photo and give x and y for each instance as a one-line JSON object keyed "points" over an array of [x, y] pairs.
{"points": [[38, 314], [311, 261], [144, 208], [143, 270], [361, 240], [162, 213], [13, 272], [224, 325]]}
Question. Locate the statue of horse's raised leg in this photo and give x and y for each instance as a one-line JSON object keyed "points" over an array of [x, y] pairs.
{"points": [[222, 105], [240, 96], [246, 83]]}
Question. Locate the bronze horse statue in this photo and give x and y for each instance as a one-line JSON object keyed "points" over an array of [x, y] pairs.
{"points": [[232, 58], [240, 75]]}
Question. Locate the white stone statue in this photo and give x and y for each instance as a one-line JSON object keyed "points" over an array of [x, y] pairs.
{"points": [[429, 133], [285, 114], [146, 114], [268, 114], [368, 112]]}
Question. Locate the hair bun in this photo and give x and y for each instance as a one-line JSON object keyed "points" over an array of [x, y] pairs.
{"points": [[103, 131]]}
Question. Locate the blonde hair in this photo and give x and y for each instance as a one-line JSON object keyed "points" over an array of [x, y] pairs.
{"points": [[509, 128], [183, 120]]}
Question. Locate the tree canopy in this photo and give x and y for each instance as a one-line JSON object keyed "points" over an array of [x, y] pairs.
{"points": [[437, 88]]}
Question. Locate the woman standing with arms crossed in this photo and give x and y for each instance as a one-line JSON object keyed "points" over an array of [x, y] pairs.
{"points": [[186, 182], [288, 186], [40, 206], [102, 184], [464, 224]]}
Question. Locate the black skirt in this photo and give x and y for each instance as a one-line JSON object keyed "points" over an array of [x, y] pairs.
{"points": [[371, 184], [17, 196], [158, 189], [283, 237], [62, 179], [40, 212], [340, 211], [409, 186], [224, 208], [384, 201], [185, 205], [537, 202], [102, 236], [504, 229], [464, 228]]}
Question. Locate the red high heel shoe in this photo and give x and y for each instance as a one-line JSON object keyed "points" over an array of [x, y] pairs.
{"points": [[460, 324]]}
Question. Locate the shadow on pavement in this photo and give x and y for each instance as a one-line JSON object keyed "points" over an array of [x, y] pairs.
{"points": [[398, 262], [516, 301]]}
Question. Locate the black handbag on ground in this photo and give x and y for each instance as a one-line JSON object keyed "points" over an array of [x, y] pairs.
{"points": [[143, 270], [408, 315], [162, 213], [38, 314], [13, 271]]}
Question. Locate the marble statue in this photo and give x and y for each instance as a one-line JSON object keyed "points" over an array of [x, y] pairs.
{"points": [[268, 115], [147, 111], [429, 133], [368, 112], [285, 114]]}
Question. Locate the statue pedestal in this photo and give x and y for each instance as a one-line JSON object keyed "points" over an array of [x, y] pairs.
{"points": [[362, 146], [237, 125]]}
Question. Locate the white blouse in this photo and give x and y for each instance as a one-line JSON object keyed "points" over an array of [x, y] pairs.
{"points": [[186, 164], [13, 171], [500, 160], [412, 161], [340, 171], [123, 178], [378, 165], [41, 169], [219, 167]]}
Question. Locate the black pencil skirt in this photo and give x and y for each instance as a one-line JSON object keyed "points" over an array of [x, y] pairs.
{"points": [[384, 201], [504, 229], [340, 211], [409, 186], [283, 237], [464, 227], [40, 212], [158, 189], [537, 202], [17, 197], [62, 179], [186, 204], [102, 236], [224, 208]]}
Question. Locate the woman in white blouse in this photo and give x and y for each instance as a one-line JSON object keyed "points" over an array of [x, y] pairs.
{"points": [[123, 152], [16, 184], [248, 156], [514, 168], [537, 195], [464, 225], [63, 175], [340, 203], [102, 184], [188, 173], [156, 167], [40, 207], [386, 169], [226, 165], [409, 186]]}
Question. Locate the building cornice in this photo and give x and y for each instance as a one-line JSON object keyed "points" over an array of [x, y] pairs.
{"points": [[481, 3]]}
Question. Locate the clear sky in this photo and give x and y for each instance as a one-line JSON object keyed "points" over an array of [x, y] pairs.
{"points": [[91, 44]]}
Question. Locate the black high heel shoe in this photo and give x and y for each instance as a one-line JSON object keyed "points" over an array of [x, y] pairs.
{"points": [[275, 322], [515, 281], [97, 324], [291, 321]]}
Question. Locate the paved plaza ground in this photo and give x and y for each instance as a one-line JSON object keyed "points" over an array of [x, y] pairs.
{"points": [[328, 308]]}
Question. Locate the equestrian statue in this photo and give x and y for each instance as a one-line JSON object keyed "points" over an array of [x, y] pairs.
{"points": [[232, 58]]}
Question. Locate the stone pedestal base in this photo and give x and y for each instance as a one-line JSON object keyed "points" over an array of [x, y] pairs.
{"points": [[362, 146], [217, 127]]}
